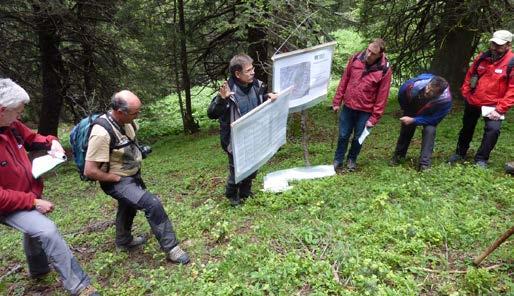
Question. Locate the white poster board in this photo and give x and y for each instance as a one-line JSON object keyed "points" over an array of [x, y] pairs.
{"points": [[308, 71], [257, 135]]}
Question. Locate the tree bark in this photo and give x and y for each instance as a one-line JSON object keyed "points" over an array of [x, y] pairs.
{"points": [[258, 51], [190, 124], [51, 70], [494, 246], [89, 72], [455, 45]]}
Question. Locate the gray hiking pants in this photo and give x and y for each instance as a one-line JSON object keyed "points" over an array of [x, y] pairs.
{"points": [[43, 243], [131, 195]]}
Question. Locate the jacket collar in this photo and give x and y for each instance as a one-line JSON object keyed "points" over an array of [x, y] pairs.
{"points": [[379, 65]]}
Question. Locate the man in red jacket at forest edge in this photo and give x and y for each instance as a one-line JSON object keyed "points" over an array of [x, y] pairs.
{"points": [[487, 84], [21, 203], [364, 88]]}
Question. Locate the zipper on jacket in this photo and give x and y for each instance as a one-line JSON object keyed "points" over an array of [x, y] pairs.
{"points": [[27, 174]]}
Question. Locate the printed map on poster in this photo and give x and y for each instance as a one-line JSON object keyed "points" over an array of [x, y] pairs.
{"points": [[307, 71]]}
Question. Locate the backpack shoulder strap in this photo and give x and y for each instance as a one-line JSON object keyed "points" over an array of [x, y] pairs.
{"points": [[480, 59], [385, 67], [510, 65], [356, 56], [108, 127]]}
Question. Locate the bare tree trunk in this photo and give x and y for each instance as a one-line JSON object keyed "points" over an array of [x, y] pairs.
{"points": [[174, 62], [455, 45], [51, 68], [84, 9], [258, 51], [190, 124]]}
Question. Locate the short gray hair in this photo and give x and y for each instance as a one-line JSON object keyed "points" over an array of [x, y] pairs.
{"points": [[11, 94], [118, 102], [237, 62]]}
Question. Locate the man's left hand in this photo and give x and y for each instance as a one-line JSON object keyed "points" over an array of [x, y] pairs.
{"points": [[369, 124], [494, 115], [406, 120], [272, 96]]}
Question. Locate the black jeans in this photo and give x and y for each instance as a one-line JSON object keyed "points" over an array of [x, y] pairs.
{"points": [[489, 139], [427, 142], [131, 195], [242, 189]]}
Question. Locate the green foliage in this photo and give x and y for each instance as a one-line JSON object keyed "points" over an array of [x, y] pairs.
{"points": [[348, 43], [162, 117], [378, 231], [478, 281]]}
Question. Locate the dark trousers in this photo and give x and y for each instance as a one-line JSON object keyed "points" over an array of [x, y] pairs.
{"points": [[489, 138], [350, 121], [427, 142], [242, 189], [131, 195]]}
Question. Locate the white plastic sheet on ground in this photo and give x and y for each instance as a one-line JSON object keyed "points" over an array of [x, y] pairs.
{"points": [[279, 181], [308, 71]]}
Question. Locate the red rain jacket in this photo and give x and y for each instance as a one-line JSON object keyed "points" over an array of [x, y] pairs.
{"points": [[492, 88], [364, 88], [18, 188]]}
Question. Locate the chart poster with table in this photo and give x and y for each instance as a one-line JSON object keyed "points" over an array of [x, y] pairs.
{"points": [[258, 135], [307, 71]]}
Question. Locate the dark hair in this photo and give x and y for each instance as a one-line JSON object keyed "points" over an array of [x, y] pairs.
{"points": [[439, 83], [237, 63], [119, 103], [380, 43]]}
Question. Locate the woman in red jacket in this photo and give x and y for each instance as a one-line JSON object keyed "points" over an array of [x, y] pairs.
{"points": [[21, 203]]}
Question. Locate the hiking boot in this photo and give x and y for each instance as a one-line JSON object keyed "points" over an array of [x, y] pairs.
{"points": [[351, 165], [244, 197], [235, 200], [509, 167], [455, 158], [337, 165], [177, 255], [232, 195], [423, 168], [396, 160], [136, 242], [41, 275], [245, 189], [481, 164], [88, 291]]}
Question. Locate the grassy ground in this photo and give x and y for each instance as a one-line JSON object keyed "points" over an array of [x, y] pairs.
{"points": [[378, 231]]}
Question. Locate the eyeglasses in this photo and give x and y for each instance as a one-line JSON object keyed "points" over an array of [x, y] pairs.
{"points": [[133, 113]]}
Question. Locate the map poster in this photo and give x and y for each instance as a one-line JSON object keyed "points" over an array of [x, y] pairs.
{"points": [[307, 71], [257, 135]]}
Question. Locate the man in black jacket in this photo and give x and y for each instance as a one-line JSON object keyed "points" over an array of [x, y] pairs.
{"points": [[237, 96]]}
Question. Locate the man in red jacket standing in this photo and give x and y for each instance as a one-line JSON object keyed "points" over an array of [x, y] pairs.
{"points": [[487, 84], [21, 203], [364, 88]]}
